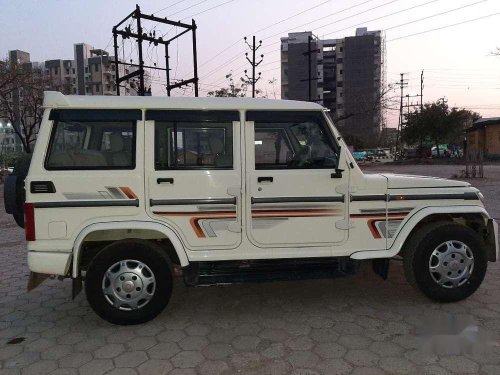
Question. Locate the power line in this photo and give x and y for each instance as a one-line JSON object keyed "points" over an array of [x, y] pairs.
{"points": [[189, 7], [267, 27], [209, 9], [445, 27], [405, 10], [338, 12], [170, 6], [338, 20], [371, 20], [435, 15], [295, 15]]}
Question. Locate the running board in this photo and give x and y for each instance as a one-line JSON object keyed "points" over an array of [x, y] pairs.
{"points": [[230, 272]]}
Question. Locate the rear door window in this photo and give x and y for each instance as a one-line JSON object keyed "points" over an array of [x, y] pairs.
{"points": [[193, 139]]}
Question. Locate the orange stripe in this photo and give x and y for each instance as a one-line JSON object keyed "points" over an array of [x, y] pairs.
{"points": [[128, 192], [195, 217], [372, 219]]}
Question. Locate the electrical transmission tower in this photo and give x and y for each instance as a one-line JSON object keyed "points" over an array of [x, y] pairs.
{"points": [[141, 37], [252, 80]]}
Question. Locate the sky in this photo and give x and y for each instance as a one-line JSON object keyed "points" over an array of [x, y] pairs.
{"points": [[451, 40]]}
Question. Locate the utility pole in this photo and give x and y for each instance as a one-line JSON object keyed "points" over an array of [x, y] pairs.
{"points": [[402, 84], [310, 78], [141, 37], [422, 90], [253, 63]]}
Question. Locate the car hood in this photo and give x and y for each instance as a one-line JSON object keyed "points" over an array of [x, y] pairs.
{"points": [[399, 181]]}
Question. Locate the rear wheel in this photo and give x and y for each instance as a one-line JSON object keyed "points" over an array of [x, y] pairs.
{"points": [[129, 282], [446, 261]]}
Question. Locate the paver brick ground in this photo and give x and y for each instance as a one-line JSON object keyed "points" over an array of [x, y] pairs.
{"points": [[356, 325]]}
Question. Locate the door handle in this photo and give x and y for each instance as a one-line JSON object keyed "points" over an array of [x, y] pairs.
{"points": [[168, 180], [262, 179], [337, 174]]}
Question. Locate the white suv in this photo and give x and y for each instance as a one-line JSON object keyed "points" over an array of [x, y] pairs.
{"points": [[122, 189]]}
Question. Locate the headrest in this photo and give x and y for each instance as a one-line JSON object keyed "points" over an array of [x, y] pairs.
{"points": [[116, 142]]}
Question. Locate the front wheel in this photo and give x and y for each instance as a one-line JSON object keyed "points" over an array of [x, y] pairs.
{"points": [[446, 261], [129, 282]]}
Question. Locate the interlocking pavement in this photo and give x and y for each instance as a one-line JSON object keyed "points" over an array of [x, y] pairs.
{"points": [[356, 325]]}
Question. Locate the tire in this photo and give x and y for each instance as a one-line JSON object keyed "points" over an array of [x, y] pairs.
{"points": [[130, 258], [434, 245]]}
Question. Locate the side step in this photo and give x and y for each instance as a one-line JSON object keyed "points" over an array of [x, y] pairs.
{"points": [[229, 272]]}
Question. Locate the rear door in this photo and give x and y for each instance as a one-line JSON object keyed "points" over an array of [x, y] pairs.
{"points": [[193, 175], [295, 192]]}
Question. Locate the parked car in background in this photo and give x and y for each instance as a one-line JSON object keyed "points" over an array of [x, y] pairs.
{"points": [[360, 155], [444, 151]]}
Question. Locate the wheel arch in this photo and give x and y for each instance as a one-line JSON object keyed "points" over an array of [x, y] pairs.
{"points": [[138, 229], [429, 214]]}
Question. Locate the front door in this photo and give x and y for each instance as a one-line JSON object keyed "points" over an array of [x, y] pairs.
{"points": [[194, 175], [295, 190]]}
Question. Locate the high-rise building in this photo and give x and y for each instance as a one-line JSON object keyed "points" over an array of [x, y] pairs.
{"points": [[346, 76]]}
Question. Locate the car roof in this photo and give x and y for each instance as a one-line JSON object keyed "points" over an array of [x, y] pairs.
{"points": [[54, 99]]}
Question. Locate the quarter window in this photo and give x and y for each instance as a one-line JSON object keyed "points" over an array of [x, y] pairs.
{"points": [[293, 140], [91, 140], [193, 140]]}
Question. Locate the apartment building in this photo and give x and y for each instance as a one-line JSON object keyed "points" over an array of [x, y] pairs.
{"points": [[346, 77], [90, 72]]}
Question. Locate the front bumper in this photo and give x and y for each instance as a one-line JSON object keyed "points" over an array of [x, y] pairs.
{"points": [[492, 243]]}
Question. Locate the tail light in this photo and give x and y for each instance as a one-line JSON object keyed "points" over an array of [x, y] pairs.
{"points": [[29, 221]]}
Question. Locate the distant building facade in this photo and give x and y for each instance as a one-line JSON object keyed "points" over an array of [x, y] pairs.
{"points": [[347, 77], [90, 72], [484, 136]]}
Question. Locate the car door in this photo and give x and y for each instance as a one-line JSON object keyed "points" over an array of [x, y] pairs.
{"points": [[295, 187], [194, 175]]}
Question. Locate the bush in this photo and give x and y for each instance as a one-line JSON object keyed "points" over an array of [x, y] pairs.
{"points": [[10, 159]]}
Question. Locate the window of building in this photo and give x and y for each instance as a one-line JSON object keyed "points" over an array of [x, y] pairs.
{"points": [[341, 71], [341, 49], [92, 139], [86, 69], [87, 89], [193, 139], [56, 70], [293, 140], [67, 71], [96, 68], [73, 70]]}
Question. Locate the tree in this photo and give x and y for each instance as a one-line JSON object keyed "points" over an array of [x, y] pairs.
{"points": [[437, 123], [234, 89], [21, 98]]}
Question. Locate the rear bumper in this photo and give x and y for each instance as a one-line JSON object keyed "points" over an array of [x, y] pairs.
{"points": [[50, 263]]}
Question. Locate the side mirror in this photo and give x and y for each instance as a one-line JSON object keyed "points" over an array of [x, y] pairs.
{"points": [[337, 173]]}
